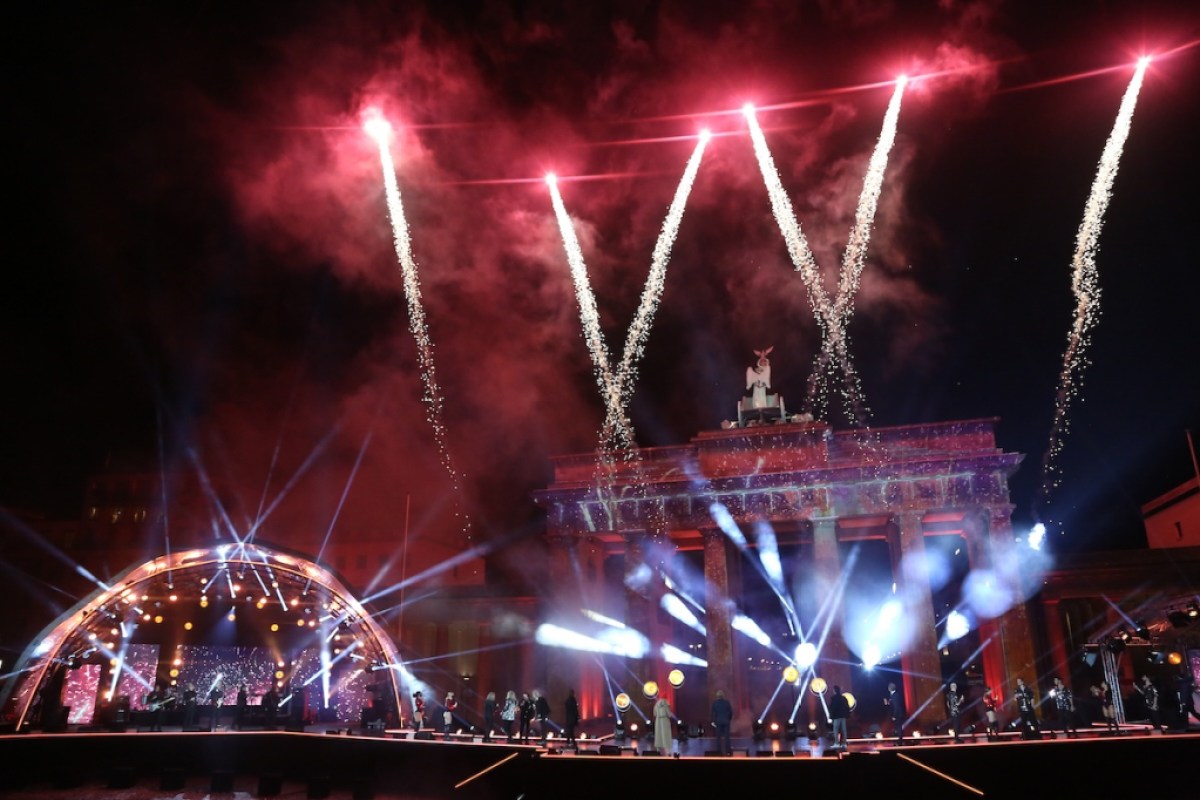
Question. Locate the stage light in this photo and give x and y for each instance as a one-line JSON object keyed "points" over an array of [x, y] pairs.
{"points": [[1123, 635], [274, 626], [818, 686], [757, 728], [812, 731], [1142, 631], [204, 601], [158, 620], [902, 80], [774, 728], [300, 623], [806, 655], [174, 673], [115, 631], [1144, 61], [279, 675], [232, 616], [633, 728], [377, 127], [748, 109], [705, 135], [791, 674], [551, 179], [1174, 659], [1115, 645], [173, 598], [146, 617], [871, 655], [623, 702], [957, 625], [675, 677], [850, 700], [1193, 611]]}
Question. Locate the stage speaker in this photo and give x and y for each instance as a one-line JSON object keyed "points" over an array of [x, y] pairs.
{"points": [[425, 736], [121, 777], [785, 754], [222, 781], [319, 786], [653, 753], [713, 753], [270, 784], [172, 779], [763, 754], [610, 750]]}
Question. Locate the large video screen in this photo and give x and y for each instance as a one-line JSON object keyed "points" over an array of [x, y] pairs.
{"points": [[226, 669], [137, 676]]}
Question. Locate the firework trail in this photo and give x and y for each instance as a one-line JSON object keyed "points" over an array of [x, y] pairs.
{"points": [[1085, 285], [617, 387], [432, 397], [589, 316], [832, 315], [830, 358]]}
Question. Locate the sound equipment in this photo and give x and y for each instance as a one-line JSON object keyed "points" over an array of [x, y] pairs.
{"points": [[610, 750]]}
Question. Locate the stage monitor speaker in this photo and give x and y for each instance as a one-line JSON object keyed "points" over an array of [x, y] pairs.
{"points": [[713, 753], [425, 736], [222, 781], [172, 779], [270, 784], [654, 753], [785, 754], [610, 750], [763, 754]]}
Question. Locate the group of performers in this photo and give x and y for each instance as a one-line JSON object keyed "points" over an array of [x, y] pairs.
{"points": [[163, 698]]}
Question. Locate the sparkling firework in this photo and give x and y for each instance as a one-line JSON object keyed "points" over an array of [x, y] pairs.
{"points": [[832, 315], [616, 387], [432, 397], [1085, 284]]}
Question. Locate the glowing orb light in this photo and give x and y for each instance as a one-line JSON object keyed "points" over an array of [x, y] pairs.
{"points": [[791, 674], [957, 626], [551, 179], [1174, 659], [650, 689], [818, 686], [378, 128], [871, 655], [850, 699], [806, 655], [675, 677], [623, 702], [705, 135]]}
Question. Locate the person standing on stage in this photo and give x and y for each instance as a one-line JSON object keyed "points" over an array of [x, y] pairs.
{"points": [[418, 710], [1108, 709], [214, 708], [1064, 703], [489, 714], [451, 706], [1150, 693], [1185, 694], [508, 714], [954, 706], [542, 707], [722, 718], [525, 710], [1027, 708], [189, 706], [242, 710], [989, 709], [895, 704], [662, 727], [839, 713], [270, 704], [570, 718], [156, 701]]}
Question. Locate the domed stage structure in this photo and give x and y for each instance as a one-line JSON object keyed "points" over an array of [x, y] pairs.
{"points": [[188, 630]]}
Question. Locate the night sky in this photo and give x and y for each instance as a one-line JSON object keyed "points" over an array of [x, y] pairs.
{"points": [[198, 244]]}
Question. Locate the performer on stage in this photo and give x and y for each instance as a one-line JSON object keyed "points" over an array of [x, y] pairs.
{"points": [[489, 715], [895, 703], [541, 707], [508, 714], [570, 718], [525, 710], [1065, 705], [189, 706], [722, 717], [1150, 693], [214, 707], [1107, 708], [1027, 708], [418, 710], [954, 706], [990, 704], [450, 705]]}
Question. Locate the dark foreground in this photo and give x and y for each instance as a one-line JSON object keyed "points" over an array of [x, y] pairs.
{"points": [[181, 766]]}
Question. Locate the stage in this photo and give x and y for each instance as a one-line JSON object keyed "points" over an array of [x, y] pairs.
{"points": [[341, 762]]}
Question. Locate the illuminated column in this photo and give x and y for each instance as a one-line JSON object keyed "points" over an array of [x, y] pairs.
{"points": [[639, 610], [833, 664], [718, 642], [564, 579], [979, 556], [920, 660], [1016, 635]]}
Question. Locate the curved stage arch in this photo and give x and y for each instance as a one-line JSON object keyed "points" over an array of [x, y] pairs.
{"points": [[293, 617]]}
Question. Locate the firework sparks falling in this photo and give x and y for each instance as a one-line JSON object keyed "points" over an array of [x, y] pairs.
{"points": [[380, 131], [1085, 284], [639, 328], [590, 317], [833, 315]]}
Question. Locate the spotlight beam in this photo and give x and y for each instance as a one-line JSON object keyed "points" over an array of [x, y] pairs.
{"points": [[362, 451]]}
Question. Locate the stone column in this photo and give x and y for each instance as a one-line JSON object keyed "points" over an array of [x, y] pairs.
{"points": [[718, 643], [920, 661], [833, 663]]}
